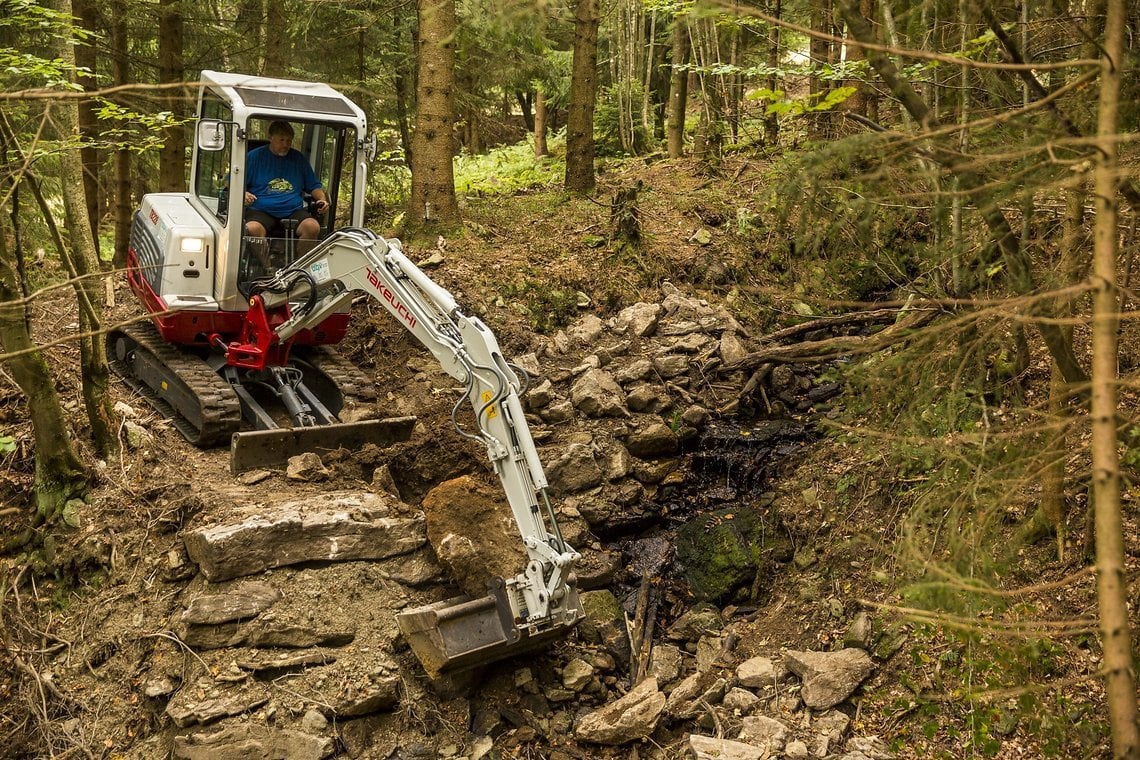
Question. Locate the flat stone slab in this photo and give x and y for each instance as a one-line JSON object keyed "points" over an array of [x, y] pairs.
{"points": [[298, 533], [270, 665], [244, 602], [185, 711], [626, 720], [262, 634], [382, 694], [249, 741]]}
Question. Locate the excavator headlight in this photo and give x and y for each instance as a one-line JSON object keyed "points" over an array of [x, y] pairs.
{"points": [[193, 245]]}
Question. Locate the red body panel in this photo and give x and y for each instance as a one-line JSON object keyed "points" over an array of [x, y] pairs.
{"points": [[193, 328]]}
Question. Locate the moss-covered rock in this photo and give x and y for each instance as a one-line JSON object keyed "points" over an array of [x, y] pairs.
{"points": [[601, 607], [721, 552]]}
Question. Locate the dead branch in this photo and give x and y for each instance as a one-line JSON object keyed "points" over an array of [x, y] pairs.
{"points": [[873, 316], [818, 351]]}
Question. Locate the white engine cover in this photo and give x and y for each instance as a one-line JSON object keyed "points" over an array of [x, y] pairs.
{"points": [[175, 249]]}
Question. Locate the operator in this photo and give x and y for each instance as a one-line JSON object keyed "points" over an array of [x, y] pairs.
{"points": [[276, 175]]}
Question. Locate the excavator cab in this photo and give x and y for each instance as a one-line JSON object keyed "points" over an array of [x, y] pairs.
{"points": [[234, 113]]}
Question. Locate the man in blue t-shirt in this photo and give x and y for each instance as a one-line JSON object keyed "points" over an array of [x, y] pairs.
{"points": [[276, 175]]}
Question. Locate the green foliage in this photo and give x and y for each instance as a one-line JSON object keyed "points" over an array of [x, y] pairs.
{"points": [[7, 444], [36, 24], [123, 128], [781, 105], [510, 169], [848, 238]]}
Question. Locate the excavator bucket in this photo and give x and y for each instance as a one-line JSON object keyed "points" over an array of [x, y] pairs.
{"points": [[464, 632], [272, 448]]}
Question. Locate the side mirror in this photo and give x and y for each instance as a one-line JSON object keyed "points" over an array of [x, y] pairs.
{"points": [[211, 135]]}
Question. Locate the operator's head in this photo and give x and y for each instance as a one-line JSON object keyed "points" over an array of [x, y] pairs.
{"points": [[280, 137]]}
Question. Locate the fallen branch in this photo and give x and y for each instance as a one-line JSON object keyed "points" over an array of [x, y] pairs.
{"points": [[818, 351], [826, 323]]}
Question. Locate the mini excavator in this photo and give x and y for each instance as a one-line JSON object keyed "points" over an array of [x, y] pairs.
{"points": [[238, 346]]}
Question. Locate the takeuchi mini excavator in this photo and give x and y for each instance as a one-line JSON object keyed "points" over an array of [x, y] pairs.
{"points": [[240, 330]]}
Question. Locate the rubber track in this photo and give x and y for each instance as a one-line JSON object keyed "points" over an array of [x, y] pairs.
{"points": [[220, 409], [353, 383]]}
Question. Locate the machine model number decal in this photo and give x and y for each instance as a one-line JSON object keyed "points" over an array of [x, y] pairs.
{"points": [[320, 270], [396, 305]]}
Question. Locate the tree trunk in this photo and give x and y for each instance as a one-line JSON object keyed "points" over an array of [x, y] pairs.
{"points": [[433, 180], [527, 107], [59, 475], [771, 123], [172, 157], [540, 149], [278, 45], [248, 25], [87, 13], [678, 88], [580, 115], [120, 75], [820, 51], [403, 94], [83, 262], [1112, 585], [1054, 506]]}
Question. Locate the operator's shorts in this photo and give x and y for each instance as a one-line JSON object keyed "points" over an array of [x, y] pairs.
{"points": [[269, 222]]}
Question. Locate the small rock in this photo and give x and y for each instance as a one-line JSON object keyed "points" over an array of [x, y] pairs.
{"points": [[829, 677], [577, 674], [665, 663], [306, 467], [767, 733], [708, 650], [481, 747], [859, 633], [253, 477], [740, 701], [701, 237], [640, 319], [313, 722], [708, 748], [758, 672], [794, 750], [137, 435]]}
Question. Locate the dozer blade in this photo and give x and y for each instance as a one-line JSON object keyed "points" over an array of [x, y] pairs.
{"points": [[272, 448], [461, 632]]}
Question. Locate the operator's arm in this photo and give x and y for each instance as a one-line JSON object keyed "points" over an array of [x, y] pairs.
{"points": [[313, 185], [321, 198]]}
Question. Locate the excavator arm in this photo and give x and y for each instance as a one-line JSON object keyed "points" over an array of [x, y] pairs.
{"points": [[538, 604]]}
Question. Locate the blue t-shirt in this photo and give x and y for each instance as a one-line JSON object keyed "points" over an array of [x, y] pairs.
{"points": [[277, 181]]}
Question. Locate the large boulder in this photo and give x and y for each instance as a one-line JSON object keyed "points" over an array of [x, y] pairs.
{"points": [[596, 394], [473, 532], [829, 677], [719, 552], [625, 720]]}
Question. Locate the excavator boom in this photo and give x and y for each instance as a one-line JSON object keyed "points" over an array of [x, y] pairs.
{"points": [[522, 612]]}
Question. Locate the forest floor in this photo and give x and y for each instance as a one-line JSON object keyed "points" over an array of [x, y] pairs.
{"points": [[528, 263]]}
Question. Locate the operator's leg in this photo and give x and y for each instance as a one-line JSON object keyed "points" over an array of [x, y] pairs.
{"points": [[257, 224], [307, 232]]}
